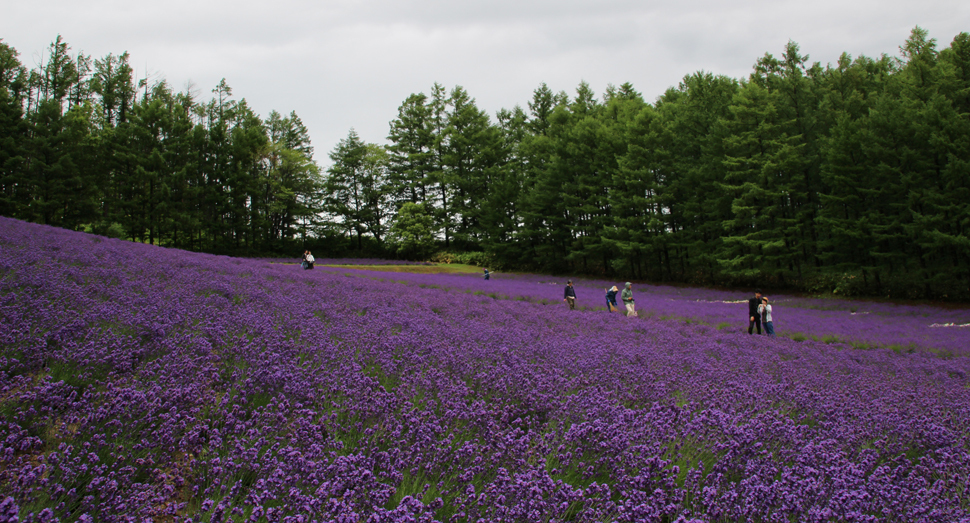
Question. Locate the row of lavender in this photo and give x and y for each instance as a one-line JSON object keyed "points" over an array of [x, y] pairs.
{"points": [[138, 383], [862, 324]]}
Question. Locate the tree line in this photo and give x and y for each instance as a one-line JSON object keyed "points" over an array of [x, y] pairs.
{"points": [[852, 177], [85, 145]]}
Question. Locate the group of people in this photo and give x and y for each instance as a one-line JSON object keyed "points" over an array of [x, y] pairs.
{"points": [[759, 313], [569, 296], [759, 310], [626, 296], [308, 260]]}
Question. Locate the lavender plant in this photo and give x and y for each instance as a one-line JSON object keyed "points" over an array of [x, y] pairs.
{"points": [[138, 384]]}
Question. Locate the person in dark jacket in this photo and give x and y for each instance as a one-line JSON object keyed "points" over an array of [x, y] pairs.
{"points": [[487, 275], [611, 298], [569, 295], [754, 317]]}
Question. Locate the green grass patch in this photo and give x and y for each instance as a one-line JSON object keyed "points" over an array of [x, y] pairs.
{"points": [[903, 349]]}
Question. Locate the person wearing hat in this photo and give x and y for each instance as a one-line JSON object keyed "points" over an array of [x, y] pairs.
{"points": [[627, 297], [611, 298], [569, 296]]}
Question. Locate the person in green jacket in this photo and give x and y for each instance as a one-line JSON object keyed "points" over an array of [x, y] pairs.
{"points": [[627, 297]]}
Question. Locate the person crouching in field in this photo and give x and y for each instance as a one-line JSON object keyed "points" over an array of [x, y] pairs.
{"points": [[764, 310], [627, 296], [569, 295], [754, 318], [307, 260], [611, 298]]}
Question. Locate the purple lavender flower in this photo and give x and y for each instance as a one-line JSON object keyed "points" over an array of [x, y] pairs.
{"points": [[138, 383]]}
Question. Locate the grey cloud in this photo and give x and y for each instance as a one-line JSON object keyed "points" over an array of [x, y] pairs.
{"points": [[350, 63]]}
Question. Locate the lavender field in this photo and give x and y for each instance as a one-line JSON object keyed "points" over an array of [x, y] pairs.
{"points": [[860, 324], [144, 384]]}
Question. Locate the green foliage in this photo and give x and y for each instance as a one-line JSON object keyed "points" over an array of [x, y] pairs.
{"points": [[83, 145], [476, 258], [356, 188], [413, 233], [849, 178]]}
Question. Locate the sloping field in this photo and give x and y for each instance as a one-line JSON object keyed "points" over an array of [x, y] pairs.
{"points": [[141, 383]]}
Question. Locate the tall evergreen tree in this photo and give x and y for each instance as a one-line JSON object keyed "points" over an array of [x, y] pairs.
{"points": [[410, 152], [14, 197], [470, 161], [353, 185]]}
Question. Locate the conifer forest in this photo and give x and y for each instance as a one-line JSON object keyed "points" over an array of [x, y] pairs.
{"points": [[850, 177]]}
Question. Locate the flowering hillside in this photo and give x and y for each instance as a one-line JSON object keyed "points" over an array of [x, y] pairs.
{"points": [[138, 383]]}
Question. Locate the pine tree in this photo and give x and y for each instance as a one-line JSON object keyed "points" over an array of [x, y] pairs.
{"points": [[345, 187], [501, 207], [470, 162], [14, 198], [410, 152]]}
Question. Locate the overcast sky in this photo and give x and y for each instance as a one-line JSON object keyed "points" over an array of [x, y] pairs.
{"points": [[342, 63]]}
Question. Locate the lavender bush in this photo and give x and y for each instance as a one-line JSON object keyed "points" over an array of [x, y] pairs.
{"points": [[142, 384]]}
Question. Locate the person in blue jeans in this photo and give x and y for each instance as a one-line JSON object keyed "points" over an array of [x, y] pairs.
{"points": [[764, 310]]}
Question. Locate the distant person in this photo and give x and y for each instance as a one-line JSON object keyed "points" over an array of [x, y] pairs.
{"points": [[764, 310], [569, 295], [611, 298], [627, 297], [487, 275], [308, 260], [303, 260], [754, 318]]}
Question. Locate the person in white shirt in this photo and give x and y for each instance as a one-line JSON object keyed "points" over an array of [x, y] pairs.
{"points": [[764, 310], [307, 260]]}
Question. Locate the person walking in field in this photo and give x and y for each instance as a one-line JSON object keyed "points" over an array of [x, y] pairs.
{"points": [[627, 297], [611, 299], [764, 310], [754, 318], [487, 275], [569, 295]]}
